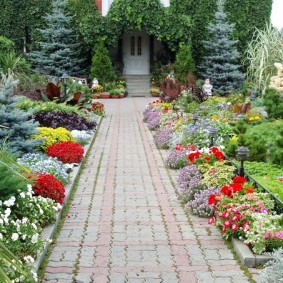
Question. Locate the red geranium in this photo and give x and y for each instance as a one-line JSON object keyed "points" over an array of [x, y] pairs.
{"points": [[192, 156], [67, 152], [236, 187], [46, 185], [213, 199], [219, 155], [239, 179], [226, 190]]}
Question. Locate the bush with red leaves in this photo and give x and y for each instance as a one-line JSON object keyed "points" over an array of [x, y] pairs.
{"points": [[46, 185], [66, 151]]}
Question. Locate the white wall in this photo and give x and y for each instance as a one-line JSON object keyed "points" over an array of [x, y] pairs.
{"points": [[106, 4]]}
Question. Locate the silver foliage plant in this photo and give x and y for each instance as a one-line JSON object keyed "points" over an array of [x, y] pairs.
{"points": [[273, 270]]}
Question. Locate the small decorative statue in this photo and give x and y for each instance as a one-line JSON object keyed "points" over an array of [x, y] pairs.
{"points": [[207, 87], [94, 82]]}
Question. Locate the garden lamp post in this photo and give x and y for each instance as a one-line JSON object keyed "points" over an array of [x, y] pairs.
{"points": [[195, 118], [64, 80], [242, 155], [212, 133], [173, 105]]}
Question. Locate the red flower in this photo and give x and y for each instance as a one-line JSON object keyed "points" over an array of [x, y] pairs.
{"points": [[214, 198], [67, 152], [165, 110], [193, 147], [192, 156], [219, 155], [213, 149], [227, 223], [226, 190], [178, 147], [239, 179], [234, 227], [236, 187], [250, 190], [211, 220], [46, 185], [207, 159]]}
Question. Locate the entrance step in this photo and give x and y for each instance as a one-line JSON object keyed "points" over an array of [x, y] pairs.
{"points": [[138, 85]]}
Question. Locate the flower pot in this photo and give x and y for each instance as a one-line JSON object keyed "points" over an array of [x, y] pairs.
{"points": [[115, 96], [154, 94], [121, 95], [104, 95]]}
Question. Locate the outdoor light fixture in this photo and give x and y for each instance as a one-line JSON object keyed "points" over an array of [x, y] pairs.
{"points": [[64, 80], [195, 118], [242, 155], [212, 133], [173, 104]]}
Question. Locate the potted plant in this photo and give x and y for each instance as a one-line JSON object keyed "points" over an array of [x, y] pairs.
{"points": [[104, 95], [115, 93], [155, 91], [96, 90]]}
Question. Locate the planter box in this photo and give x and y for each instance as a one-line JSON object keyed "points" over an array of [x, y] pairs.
{"points": [[247, 257]]}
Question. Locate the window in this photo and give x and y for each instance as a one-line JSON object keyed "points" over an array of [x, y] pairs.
{"points": [[139, 46], [133, 45]]}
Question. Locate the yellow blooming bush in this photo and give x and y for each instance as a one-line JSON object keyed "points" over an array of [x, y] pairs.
{"points": [[52, 136]]}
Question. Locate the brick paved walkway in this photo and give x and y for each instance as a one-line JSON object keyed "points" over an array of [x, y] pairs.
{"points": [[126, 224]]}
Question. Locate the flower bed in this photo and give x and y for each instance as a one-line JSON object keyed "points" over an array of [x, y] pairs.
{"points": [[208, 183]]}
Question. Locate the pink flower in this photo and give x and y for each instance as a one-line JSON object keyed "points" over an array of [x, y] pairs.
{"points": [[211, 220], [226, 214], [236, 217], [234, 227], [279, 235], [227, 223]]}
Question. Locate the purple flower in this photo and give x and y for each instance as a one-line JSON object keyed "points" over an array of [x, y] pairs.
{"points": [[162, 138], [153, 120], [176, 159]]}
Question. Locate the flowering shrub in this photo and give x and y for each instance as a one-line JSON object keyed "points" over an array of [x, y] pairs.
{"points": [[206, 156], [52, 136], [82, 137], [40, 163], [162, 138], [46, 185], [67, 152], [70, 121], [176, 159], [146, 112]]}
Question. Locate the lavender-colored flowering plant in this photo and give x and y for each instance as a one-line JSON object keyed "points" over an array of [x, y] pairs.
{"points": [[162, 138], [153, 120], [176, 159]]}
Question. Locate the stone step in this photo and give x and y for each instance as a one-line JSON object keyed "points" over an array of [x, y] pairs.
{"points": [[138, 85]]}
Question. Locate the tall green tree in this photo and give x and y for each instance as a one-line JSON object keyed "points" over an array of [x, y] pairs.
{"points": [[220, 63], [246, 14], [184, 63], [102, 68], [58, 50]]}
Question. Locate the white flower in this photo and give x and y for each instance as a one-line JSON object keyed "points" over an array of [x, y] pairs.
{"points": [[34, 238], [24, 220], [1, 221], [15, 236], [22, 195], [1, 236], [24, 236], [7, 212], [10, 202], [28, 259], [34, 226]]}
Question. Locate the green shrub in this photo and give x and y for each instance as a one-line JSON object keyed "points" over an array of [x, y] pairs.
{"points": [[273, 102], [277, 150], [6, 45]]}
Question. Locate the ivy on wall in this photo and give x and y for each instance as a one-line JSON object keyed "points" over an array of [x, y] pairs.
{"points": [[245, 14]]}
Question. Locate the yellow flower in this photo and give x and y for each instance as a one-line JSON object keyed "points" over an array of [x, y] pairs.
{"points": [[214, 117]]}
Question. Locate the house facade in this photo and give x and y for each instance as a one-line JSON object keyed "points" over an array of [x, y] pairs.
{"points": [[138, 48]]}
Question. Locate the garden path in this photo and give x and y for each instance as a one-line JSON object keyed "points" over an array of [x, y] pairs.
{"points": [[126, 224]]}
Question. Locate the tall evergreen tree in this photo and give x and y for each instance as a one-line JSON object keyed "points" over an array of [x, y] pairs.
{"points": [[220, 62], [15, 126], [58, 50], [101, 67]]}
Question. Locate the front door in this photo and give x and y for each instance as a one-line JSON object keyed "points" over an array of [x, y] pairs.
{"points": [[136, 53]]}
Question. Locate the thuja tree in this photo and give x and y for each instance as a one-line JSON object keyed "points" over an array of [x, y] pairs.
{"points": [[15, 128], [277, 150], [220, 62], [102, 68], [57, 53], [184, 63]]}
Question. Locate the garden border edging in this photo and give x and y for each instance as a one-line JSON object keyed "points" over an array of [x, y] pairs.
{"points": [[49, 231]]}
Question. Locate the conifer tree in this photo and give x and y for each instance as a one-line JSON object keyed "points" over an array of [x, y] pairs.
{"points": [[58, 49], [184, 63], [102, 68], [277, 150], [220, 62], [15, 126]]}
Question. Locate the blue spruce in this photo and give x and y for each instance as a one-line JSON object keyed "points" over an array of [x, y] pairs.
{"points": [[220, 62], [15, 127], [58, 49]]}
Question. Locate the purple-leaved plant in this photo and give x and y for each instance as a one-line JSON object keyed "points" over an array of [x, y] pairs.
{"points": [[162, 138], [176, 159], [199, 205]]}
